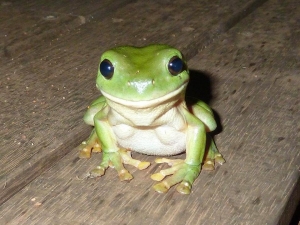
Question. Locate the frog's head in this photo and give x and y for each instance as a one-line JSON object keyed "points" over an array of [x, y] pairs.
{"points": [[142, 77]]}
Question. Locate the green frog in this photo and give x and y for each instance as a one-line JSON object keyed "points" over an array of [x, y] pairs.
{"points": [[143, 109]]}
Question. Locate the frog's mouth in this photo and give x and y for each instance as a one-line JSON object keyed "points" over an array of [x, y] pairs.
{"points": [[145, 103]]}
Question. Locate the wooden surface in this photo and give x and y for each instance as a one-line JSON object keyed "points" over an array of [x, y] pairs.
{"points": [[48, 66], [49, 60]]}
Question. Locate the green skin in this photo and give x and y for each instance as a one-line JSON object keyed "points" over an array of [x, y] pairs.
{"points": [[141, 98]]}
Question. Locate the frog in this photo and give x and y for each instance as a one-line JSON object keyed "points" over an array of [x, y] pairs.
{"points": [[143, 108]]}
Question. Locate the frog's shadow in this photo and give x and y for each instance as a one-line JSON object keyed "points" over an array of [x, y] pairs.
{"points": [[200, 88]]}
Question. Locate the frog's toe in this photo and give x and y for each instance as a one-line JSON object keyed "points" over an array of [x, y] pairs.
{"points": [[143, 165], [161, 187], [219, 159], [84, 153], [208, 164], [97, 172], [92, 144], [157, 176], [96, 147], [116, 161], [170, 162], [163, 173], [127, 159], [184, 188], [182, 173], [87, 147], [124, 175], [166, 184]]}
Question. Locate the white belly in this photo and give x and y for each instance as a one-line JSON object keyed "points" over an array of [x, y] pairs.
{"points": [[163, 140]]}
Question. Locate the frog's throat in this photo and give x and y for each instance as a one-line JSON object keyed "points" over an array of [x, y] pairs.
{"points": [[145, 103]]}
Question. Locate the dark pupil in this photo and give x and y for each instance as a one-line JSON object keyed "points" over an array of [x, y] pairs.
{"points": [[175, 65], [106, 68]]}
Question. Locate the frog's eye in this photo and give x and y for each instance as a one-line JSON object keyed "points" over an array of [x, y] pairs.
{"points": [[106, 69], [175, 65]]}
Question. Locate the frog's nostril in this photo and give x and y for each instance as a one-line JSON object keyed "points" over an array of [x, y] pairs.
{"points": [[153, 82]]}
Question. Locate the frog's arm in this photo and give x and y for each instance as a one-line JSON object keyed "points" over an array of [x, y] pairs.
{"points": [[196, 139], [188, 170], [203, 112], [92, 144], [96, 106], [105, 132]]}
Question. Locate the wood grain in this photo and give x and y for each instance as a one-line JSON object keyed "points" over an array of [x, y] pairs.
{"points": [[49, 60], [253, 86]]}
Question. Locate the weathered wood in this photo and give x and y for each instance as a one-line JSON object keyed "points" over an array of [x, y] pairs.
{"points": [[255, 87], [49, 59], [257, 84]]}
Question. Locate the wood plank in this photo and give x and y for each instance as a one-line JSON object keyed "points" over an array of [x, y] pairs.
{"points": [[257, 84], [253, 72], [48, 77], [89, 10]]}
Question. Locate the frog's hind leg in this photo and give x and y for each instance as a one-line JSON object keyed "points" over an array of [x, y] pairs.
{"points": [[92, 144], [213, 156], [115, 160]]}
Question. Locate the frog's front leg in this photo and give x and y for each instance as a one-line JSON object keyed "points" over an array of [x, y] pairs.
{"points": [[113, 156], [92, 144], [203, 112], [185, 171]]}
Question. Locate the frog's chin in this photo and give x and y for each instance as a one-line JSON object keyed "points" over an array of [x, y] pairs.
{"points": [[146, 103]]}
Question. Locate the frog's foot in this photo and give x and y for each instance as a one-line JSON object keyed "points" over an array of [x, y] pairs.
{"points": [[86, 148], [92, 144], [180, 172], [116, 160], [127, 159], [209, 163]]}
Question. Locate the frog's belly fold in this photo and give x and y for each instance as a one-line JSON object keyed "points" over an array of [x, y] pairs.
{"points": [[164, 140]]}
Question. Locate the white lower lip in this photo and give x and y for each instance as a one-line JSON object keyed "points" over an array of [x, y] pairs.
{"points": [[145, 103]]}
